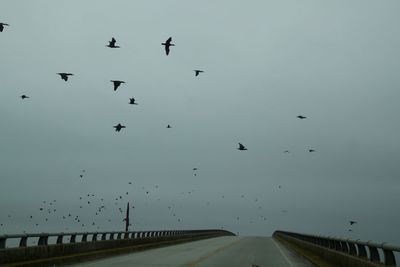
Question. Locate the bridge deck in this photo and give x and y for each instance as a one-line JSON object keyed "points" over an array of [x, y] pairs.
{"points": [[221, 252]]}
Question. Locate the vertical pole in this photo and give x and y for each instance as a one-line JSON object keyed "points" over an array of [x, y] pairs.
{"points": [[127, 218]]}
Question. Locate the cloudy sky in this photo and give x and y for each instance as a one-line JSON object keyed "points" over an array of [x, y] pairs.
{"points": [[265, 63]]}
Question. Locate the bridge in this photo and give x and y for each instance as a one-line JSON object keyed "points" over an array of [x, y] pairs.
{"points": [[210, 247]]}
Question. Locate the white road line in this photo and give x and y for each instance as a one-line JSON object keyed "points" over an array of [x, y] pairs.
{"points": [[283, 254]]}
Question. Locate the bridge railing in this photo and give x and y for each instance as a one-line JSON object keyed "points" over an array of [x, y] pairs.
{"points": [[42, 239], [60, 247], [374, 252]]}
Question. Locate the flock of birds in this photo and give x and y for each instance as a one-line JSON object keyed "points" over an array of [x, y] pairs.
{"points": [[48, 207]]}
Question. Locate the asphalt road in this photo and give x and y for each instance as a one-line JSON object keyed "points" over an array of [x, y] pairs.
{"points": [[221, 252]]}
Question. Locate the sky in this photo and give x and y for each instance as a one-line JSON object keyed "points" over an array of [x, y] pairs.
{"points": [[264, 62]]}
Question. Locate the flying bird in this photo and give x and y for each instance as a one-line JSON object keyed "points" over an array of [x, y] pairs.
{"points": [[24, 96], [116, 84], [132, 101], [169, 126], [64, 75], [311, 150], [286, 151], [352, 222], [242, 147], [111, 44], [167, 44], [195, 169], [301, 117], [118, 127], [197, 72], [2, 26]]}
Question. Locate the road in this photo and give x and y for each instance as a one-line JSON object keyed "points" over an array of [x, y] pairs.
{"points": [[221, 252]]}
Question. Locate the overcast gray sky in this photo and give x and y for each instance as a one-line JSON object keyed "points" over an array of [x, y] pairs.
{"points": [[265, 62]]}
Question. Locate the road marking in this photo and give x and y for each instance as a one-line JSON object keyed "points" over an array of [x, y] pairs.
{"points": [[283, 254], [212, 253]]}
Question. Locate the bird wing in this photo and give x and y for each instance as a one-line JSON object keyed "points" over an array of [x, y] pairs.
{"points": [[241, 146]]}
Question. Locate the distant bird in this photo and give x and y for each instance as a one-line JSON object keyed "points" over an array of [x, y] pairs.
{"points": [[301, 117], [118, 127], [195, 169], [311, 150], [169, 126], [242, 147], [111, 44], [116, 84], [352, 222], [350, 230], [81, 175], [132, 101], [24, 96], [286, 151], [64, 75], [167, 44], [197, 72], [2, 26]]}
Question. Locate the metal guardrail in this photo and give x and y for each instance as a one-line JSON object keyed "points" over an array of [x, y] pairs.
{"points": [[43, 238], [365, 250]]}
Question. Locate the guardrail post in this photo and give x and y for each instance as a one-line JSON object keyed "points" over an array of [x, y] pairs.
{"points": [[389, 257], [338, 246], [84, 237], [119, 236], [60, 239], [331, 244], [103, 236], [126, 235], [73, 238], [345, 249], [23, 241], [43, 240], [3, 242], [111, 236], [94, 237], [373, 254], [362, 252], [352, 248]]}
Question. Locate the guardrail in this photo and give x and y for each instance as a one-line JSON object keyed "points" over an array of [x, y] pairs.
{"points": [[50, 245], [365, 250]]}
